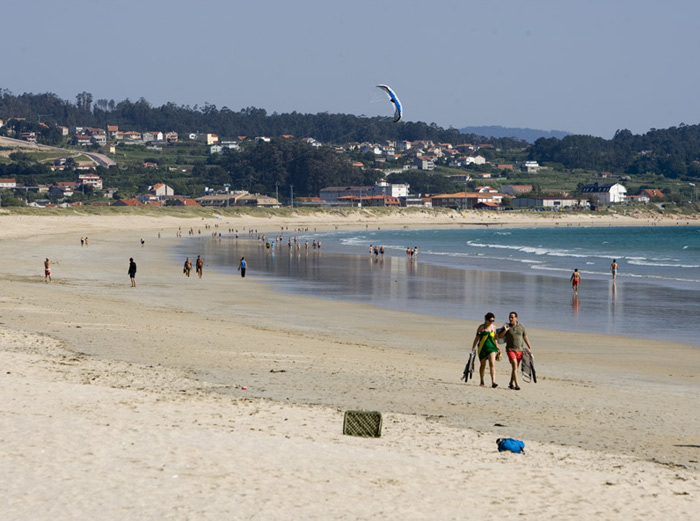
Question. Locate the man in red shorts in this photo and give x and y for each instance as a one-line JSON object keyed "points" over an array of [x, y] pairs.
{"points": [[515, 334]]}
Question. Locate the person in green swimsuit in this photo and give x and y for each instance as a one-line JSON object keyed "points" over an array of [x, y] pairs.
{"points": [[485, 341]]}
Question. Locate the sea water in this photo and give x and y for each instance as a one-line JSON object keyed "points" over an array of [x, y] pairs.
{"points": [[466, 272]]}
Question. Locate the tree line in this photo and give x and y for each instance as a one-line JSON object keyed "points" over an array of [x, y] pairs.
{"points": [[673, 152], [141, 116]]}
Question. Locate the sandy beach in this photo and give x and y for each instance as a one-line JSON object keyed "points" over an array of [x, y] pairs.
{"points": [[220, 398]]}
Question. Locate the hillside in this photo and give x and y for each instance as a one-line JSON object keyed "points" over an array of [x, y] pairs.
{"points": [[525, 134]]}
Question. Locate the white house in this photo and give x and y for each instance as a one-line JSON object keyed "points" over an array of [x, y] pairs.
{"points": [[475, 160], [606, 193], [161, 190], [393, 190], [530, 167]]}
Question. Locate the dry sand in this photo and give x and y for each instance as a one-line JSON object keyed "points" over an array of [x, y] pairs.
{"points": [[123, 403]]}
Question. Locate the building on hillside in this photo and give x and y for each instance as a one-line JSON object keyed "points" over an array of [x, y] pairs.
{"points": [[185, 201], [258, 201], [161, 190], [423, 163], [653, 194], [465, 200], [128, 202], [530, 167], [547, 202], [8, 183], [93, 180], [62, 189], [516, 190], [606, 193], [640, 199], [333, 194]]}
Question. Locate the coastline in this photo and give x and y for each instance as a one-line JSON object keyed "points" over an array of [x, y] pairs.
{"points": [[163, 367]]}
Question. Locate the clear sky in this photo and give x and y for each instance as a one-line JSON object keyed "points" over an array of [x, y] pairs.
{"points": [[588, 67]]}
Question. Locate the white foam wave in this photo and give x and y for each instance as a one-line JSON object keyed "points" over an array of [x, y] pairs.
{"points": [[662, 264]]}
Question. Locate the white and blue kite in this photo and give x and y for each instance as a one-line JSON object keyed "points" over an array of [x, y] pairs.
{"points": [[398, 111]]}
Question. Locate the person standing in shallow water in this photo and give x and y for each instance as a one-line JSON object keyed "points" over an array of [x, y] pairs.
{"points": [[485, 339], [613, 269], [242, 267], [575, 280]]}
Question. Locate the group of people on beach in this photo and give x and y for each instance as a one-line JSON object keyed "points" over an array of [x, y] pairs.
{"points": [[485, 345], [199, 266]]}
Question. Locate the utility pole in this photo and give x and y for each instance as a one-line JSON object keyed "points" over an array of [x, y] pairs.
{"points": [[277, 191], [291, 198]]}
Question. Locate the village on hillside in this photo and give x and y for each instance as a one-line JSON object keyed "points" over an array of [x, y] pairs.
{"points": [[407, 155]]}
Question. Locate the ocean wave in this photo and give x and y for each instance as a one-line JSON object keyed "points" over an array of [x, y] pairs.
{"points": [[662, 264], [539, 250]]}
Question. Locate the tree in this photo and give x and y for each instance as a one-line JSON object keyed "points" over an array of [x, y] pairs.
{"points": [[84, 101]]}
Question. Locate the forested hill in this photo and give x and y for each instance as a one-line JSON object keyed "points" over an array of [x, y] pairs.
{"points": [[526, 134], [672, 152], [227, 124]]}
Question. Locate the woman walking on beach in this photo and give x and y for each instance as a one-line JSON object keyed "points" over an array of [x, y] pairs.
{"points": [[485, 339], [188, 267]]}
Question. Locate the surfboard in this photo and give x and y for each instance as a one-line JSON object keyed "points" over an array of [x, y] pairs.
{"points": [[469, 368], [527, 367]]}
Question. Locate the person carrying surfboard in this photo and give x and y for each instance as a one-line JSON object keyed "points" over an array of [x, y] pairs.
{"points": [[515, 334]]}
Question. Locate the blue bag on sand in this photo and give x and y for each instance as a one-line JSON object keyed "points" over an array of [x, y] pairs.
{"points": [[510, 444]]}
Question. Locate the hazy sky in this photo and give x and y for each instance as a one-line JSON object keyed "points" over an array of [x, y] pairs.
{"points": [[589, 67]]}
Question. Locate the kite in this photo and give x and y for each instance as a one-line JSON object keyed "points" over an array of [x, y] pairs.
{"points": [[398, 111]]}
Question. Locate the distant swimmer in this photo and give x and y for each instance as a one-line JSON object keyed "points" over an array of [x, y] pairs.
{"points": [[575, 279], [613, 269]]}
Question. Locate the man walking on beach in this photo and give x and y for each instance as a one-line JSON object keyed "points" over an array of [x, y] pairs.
{"points": [[132, 272], [199, 266], [613, 269], [515, 334], [242, 266]]}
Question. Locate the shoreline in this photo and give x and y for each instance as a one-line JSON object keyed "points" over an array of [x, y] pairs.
{"points": [[168, 361]]}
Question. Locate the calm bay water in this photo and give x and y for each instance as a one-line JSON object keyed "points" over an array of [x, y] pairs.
{"points": [[463, 273]]}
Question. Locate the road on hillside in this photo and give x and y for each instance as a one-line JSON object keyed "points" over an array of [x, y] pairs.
{"points": [[100, 159]]}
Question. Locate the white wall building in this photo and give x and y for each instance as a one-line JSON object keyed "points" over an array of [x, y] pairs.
{"points": [[606, 193]]}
